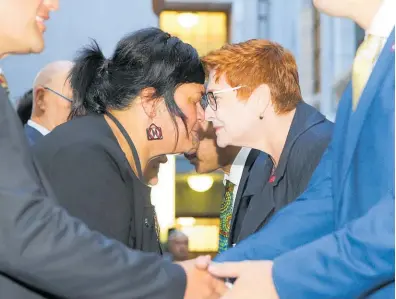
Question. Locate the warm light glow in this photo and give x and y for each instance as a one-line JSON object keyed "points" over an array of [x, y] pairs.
{"points": [[202, 238], [163, 195], [200, 183], [186, 221], [188, 19]]}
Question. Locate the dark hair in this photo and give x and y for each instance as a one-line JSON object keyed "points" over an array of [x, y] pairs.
{"points": [[24, 106], [146, 58]]}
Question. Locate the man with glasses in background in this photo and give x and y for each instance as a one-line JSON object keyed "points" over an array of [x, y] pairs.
{"points": [[51, 100]]}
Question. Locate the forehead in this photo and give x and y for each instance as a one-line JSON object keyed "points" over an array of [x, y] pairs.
{"points": [[220, 84]]}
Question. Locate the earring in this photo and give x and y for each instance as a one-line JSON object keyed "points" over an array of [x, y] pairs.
{"points": [[261, 117], [154, 132]]}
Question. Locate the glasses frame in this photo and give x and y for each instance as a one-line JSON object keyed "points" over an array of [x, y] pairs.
{"points": [[58, 94], [209, 98]]}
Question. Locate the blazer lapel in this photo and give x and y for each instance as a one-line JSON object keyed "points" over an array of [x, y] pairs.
{"points": [[241, 187], [357, 118], [259, 206]]}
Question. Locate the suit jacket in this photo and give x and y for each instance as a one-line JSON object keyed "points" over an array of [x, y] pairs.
{"points": [[337, 240], [92, 180], [45, 253], [309, 135], [236, 219], [32, 134]]}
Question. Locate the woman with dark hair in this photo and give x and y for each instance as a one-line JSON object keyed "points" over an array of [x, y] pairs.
{"points": [[128, 110]]}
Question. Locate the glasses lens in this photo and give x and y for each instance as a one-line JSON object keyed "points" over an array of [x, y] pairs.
{"points": [[212, 100]]}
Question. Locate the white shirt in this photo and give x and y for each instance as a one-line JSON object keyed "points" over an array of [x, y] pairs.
{"points": [[236, 170], [384, 19], [40, 128]]}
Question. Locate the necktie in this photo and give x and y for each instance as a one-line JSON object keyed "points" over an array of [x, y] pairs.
{"points": [[366, 55], [225, 216], [3, 81]]}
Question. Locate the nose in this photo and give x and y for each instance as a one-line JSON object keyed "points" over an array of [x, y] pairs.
{"points": [[200, 113], [209, 113], [52, 5], [163, 159]]}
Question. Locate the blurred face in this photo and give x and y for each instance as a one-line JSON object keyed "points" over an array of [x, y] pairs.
{"points": [[209, 157], [22, 24], [231, 117], [151, 171], [178, 247], [54, 100], [186, 97]]}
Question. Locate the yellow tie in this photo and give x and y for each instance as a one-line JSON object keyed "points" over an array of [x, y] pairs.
{"points": [[363, 63]]}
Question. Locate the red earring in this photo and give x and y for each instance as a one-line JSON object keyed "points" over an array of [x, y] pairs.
{"points": [[154, 132]]}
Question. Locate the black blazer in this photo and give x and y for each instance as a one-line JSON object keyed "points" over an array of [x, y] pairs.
{"points": [[32, 135], [308, 137], [93, 180], [236, 219], [45, 253]]}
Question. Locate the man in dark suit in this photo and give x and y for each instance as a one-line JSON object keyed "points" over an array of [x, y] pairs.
{"points": [[235, 162], [51, 100], [45, 253]]}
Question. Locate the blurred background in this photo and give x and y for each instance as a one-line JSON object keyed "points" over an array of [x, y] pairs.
{"points": [[324, 48]]}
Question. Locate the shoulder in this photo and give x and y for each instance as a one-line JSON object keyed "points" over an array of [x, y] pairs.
{"points": [[65, 148], [310, 146]]}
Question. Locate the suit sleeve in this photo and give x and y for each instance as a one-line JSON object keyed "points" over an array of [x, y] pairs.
{"points": [[304, 220], [42, 246], [360, 257]]}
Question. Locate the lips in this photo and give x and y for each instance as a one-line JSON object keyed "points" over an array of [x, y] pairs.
{"points": [[40, 22]]}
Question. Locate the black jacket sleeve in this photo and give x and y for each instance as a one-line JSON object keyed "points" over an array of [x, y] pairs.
{"points": [[41, 245]]}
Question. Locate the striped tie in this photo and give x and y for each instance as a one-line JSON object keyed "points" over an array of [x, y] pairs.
{"points": [[225, 216], [366, 55]]}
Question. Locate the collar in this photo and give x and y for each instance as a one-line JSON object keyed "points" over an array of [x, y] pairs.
{"points": [[44, 131], [260, 172], [383, 21], [237, 167], [305, 117]]}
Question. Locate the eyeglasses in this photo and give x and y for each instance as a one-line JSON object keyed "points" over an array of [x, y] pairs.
{"points": [[209, 98], [58, 94]]}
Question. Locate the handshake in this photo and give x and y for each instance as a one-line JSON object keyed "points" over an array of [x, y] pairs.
{"points": [[206, 280]]}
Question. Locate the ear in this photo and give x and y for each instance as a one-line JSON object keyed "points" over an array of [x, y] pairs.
{"points": [[261, 99], [39, 99], [151, 106]]}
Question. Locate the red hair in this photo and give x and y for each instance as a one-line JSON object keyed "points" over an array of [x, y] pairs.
{"points": [[257, 62]]}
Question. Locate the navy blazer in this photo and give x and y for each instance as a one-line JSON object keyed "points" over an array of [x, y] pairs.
{"points": [[309, 135], [32, 134], [337, 240]]}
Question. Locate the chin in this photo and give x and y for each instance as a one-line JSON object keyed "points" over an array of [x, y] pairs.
{"points": [[222, 143], [153, 181], [37, 48]]}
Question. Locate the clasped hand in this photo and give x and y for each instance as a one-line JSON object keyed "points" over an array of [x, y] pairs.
{"points": [[205, 279]]}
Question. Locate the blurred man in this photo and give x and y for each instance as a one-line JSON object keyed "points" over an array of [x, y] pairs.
{"points": [[51, 100], [337, 240], [177, 246], [45, 253], [236, 163]]}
